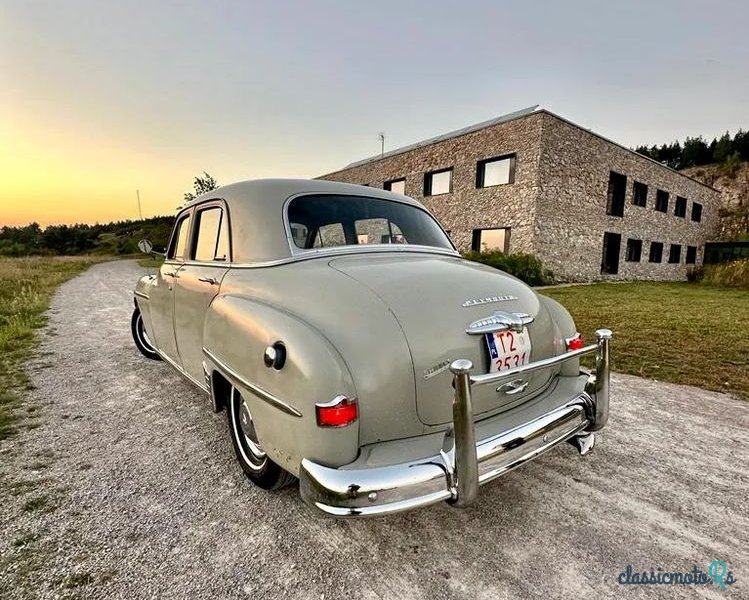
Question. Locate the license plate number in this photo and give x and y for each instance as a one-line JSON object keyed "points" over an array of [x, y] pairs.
{"points": [[508, 349]]}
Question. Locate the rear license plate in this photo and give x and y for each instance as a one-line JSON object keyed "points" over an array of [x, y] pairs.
{"points": [[508, 349]]}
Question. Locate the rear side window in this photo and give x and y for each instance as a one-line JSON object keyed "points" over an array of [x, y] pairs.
{"points": [[178, 249], [212, 238]]}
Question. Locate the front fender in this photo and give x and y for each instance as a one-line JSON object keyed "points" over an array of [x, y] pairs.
{"points": [[142, 295], [237, 331]]}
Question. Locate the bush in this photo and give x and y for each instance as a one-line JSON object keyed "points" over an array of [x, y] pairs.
{"points": [[695, 274], [523, 266], [730, 274]]}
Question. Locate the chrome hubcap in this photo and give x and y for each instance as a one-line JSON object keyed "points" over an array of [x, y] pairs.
{"points": [[244, 432]]}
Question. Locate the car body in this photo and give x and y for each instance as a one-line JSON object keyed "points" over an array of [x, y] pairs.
{"points": [[352, 346]]}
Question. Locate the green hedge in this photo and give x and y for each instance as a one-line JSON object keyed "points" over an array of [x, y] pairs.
{"points": [[730, 274], [523, 266]]}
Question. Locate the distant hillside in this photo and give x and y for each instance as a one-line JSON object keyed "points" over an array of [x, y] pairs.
{"points": [[111, 238], [732, 180]]}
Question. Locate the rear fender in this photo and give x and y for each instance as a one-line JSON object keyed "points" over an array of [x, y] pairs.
{"points": [[564, 327], [237, 331]]}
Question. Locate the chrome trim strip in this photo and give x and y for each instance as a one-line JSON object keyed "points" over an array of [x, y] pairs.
{"points": [[259, 392], [141, 295], [181, 371], [346, 251]]}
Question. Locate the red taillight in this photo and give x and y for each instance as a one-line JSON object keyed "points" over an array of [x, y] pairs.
{"points": [[341, 411], [575, 342]]}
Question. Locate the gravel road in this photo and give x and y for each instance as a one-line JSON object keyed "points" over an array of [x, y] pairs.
{"points": [[129, 489]]}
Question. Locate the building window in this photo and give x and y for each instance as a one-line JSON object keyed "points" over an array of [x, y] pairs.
{"points": [[656, 252], [610, 259], [495, 171], [639, 194], [396, 185], [616, 193], [680, 208], [696, 212], [691, 255], [634, 250], [438, 182], [674, 254], [486, 240], [661, 201]]}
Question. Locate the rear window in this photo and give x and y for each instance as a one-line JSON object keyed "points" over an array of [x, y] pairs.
{"points": [[327, 221]]}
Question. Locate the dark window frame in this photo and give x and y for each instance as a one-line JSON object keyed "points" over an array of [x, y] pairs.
{"points": [[633, 251], [680, 207], [662, 198], [388, 185], [674, 258], [655, 255], [691, 257], [696, 210], [643, 188], [481, 170], [476, 238], [616, 194], [428, 181]]}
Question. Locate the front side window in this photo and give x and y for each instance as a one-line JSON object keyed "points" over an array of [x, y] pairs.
{"points": [[438, 182], [212, 242], [178, 249], [332, 221]]}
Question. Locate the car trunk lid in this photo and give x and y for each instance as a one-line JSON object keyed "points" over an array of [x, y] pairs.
{"points": [[435, 299]]}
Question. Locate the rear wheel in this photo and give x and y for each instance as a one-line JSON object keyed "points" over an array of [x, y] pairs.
{"points": [[142, 341], [260, 469]]}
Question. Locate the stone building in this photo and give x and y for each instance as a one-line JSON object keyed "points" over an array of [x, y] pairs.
{"points": [[531, 181]]}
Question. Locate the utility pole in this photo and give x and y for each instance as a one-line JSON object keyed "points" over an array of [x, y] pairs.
{"points": [[140, 211], [382, 144]]}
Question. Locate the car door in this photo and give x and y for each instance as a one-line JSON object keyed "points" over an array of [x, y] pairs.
{"points": [[162, 294], [199, 282]]}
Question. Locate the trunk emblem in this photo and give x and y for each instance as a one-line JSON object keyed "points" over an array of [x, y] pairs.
{"points": [[500, 321], [487, 300]]}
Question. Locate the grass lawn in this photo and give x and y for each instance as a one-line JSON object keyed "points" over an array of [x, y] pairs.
{"points": [[680, 332], [26, 286]]}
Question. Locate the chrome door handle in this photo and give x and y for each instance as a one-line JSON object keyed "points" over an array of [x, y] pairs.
{"points": [[210, 280], [513, 387]]}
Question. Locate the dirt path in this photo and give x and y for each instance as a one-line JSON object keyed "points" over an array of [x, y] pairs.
{"points": [[129, 489]]}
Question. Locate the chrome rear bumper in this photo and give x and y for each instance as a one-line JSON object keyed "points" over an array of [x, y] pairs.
{"points": [[455, 473]]}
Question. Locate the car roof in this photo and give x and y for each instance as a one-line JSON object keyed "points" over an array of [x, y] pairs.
{"points": [[257, 217]]}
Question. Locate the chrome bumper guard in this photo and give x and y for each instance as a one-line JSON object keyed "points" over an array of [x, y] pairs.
{"points": [[457, 471]]}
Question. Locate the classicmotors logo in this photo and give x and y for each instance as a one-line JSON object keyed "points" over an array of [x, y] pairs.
{"points": [[717, 574]]}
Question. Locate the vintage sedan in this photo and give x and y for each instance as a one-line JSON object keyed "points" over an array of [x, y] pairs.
{"points": [[353, 348]]}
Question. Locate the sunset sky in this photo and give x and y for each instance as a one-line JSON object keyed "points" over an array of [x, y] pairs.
{"points": [[98, 99]]}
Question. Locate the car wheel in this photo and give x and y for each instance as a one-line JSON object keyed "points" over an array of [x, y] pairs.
{"points": [[260, 469], [142, 342]]}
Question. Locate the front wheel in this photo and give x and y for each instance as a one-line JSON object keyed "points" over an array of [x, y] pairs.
{"points": [[142, 342], [260, 469]]}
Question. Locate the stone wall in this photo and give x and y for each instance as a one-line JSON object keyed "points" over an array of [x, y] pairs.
{"points": [[466, 207], [556, 207], [571, 215]]}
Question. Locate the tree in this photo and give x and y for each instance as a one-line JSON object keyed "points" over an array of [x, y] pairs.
{"points": [[202, 185], [722, 148], [695, 153]]}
